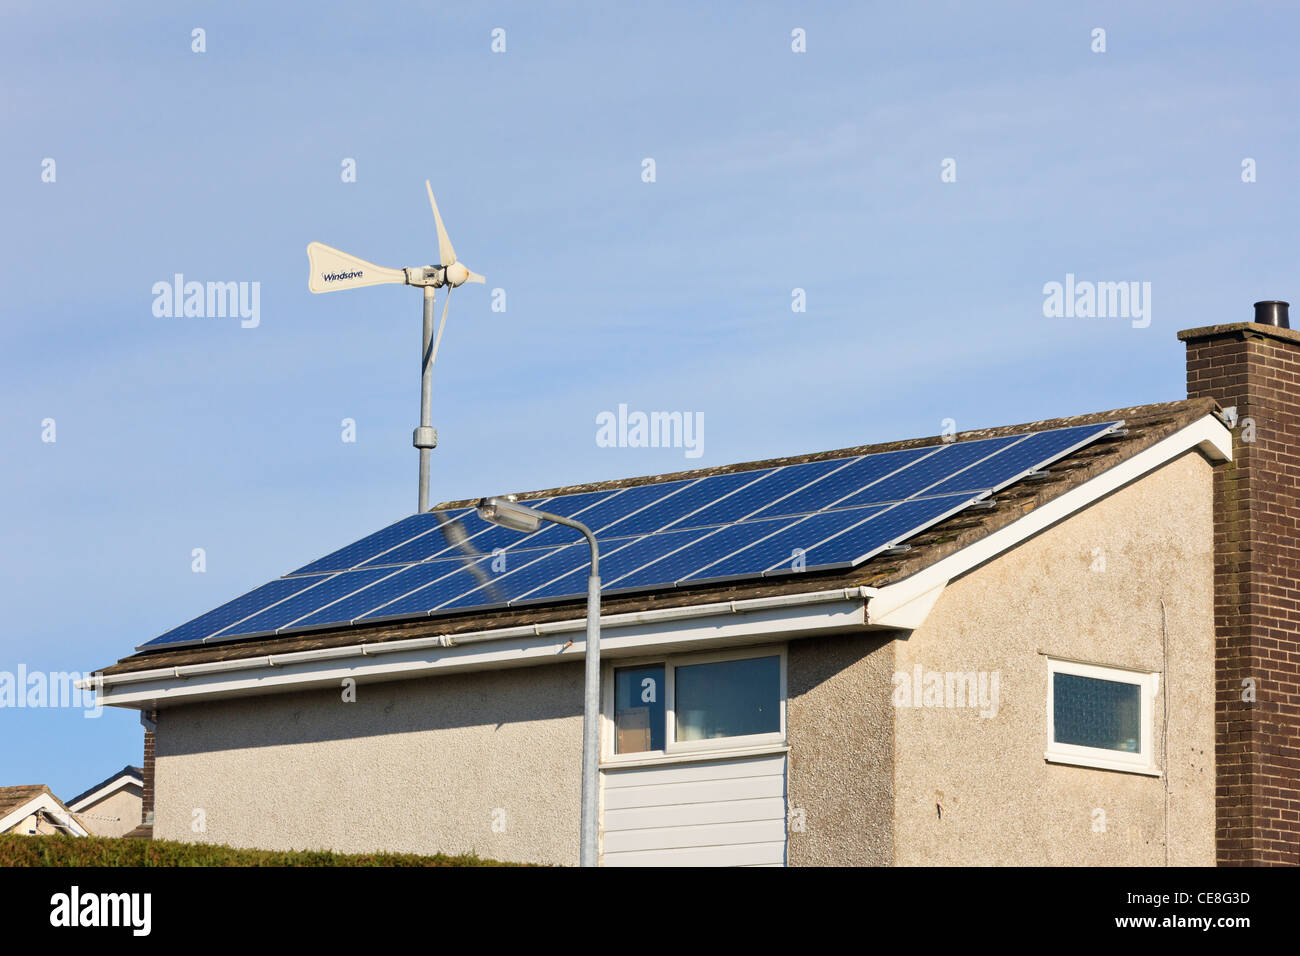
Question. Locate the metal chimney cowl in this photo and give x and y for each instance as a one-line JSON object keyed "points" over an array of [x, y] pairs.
{"points": [[1272, 312]]}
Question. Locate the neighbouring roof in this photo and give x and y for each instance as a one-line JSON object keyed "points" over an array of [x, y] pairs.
{"points": [[135, 774], [14, 798], [11, 798], [1145, 425]]}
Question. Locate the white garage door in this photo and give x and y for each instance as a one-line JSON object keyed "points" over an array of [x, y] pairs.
{"points": [[713, 813]]}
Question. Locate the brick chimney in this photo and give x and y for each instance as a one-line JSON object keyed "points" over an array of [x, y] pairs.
{"points": [[1255, 367], [149, 720]]}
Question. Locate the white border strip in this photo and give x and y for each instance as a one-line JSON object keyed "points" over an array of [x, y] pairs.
{"points": [[117, 783], [42, 801]]}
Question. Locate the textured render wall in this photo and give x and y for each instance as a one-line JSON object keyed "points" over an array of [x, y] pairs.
{"points": [[839, 722], [124, 805], [414, 766], [40, 823], [28, 822], [976, 790]]}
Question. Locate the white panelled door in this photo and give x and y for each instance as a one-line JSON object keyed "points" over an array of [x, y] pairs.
{"points": [[708, 813]]}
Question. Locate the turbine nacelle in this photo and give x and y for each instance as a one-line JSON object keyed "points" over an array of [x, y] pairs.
{"points": [[438, 276], [429, 277]]}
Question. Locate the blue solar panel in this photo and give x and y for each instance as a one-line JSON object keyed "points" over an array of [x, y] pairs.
{"points": [[773, 485], [463, 535], [399, 581], [783, 546], [842, 483], [1036, 451], [885, 529], [915, 479], [236, 610], [467, 534], [468, 575], [675, 508], [629, 555], [768, 521], [439, 538], [371, 545], [710, 548], [309, 601], [628, 502], [578, 506], [515, 581]]}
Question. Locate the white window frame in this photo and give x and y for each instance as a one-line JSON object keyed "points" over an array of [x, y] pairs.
{"points": [[1144, 761], [673, 748]]}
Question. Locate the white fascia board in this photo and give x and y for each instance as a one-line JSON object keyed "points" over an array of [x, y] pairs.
{"points": [[42, 801], [909, 607], [906, 603], [110, 788], [752, 621]]}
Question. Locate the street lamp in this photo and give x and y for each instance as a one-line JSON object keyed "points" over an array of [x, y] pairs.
{"points": [[508, 513]]}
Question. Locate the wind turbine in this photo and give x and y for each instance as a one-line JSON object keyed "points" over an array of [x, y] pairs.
{"points": [[332, 270]]}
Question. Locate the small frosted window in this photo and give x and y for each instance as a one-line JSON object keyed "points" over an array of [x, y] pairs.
{"points": [[1089, 712]]}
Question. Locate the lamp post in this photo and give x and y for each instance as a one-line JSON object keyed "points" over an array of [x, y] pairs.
{"points": [[510, 514]]}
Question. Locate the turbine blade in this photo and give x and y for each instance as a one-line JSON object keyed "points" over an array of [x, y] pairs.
{"points": [[475, 277], [446, 254], [446, 303], [333, 269]]}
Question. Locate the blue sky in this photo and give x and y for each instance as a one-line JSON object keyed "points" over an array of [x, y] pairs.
{"points": [[774, 171]]}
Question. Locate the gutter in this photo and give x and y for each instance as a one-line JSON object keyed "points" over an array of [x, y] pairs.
{"points": [[656, 616]]}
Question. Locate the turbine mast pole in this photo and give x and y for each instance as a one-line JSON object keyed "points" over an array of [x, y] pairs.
{"points": [[425, 438]]}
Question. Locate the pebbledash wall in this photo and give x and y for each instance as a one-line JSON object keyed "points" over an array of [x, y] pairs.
{"points": [[1126, 583], [840, 727], [489, 761], [115, 815]]}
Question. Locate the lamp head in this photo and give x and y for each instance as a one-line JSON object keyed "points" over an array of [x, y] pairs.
{"points": [[503, 510]]}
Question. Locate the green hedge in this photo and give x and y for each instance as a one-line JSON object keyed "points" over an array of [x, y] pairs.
{"points": [[24, 850]]}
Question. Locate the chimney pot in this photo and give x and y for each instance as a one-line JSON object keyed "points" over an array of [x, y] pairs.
{"points": [[1273, 313]]}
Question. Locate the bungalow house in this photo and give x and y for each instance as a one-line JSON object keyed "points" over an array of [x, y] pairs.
{"points": [[112, 807], [1074, 641], [35, 810]]}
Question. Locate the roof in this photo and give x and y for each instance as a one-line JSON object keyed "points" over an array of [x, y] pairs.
{"points": [[1145, 425], [135, 774], [13, 799]]}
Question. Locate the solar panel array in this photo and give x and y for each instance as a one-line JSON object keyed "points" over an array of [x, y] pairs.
{"points": [[765, 522]]}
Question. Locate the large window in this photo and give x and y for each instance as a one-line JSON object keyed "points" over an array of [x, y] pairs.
{"points": [[736, 698], [697, 702], [1100, 716]]}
